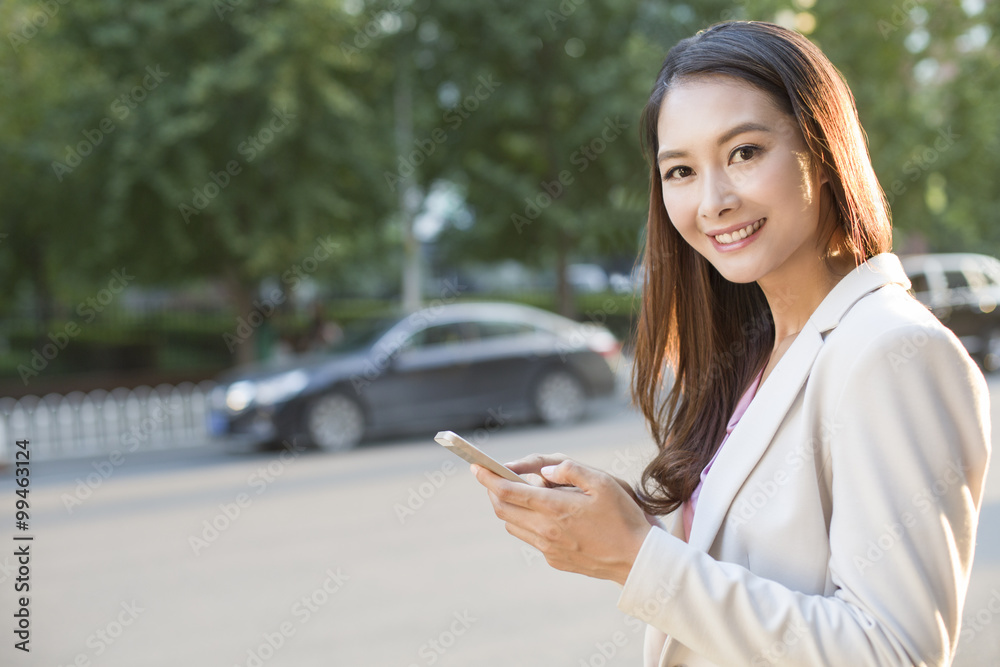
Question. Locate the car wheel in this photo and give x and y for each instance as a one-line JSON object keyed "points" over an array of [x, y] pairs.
{"points": [[335, 422], [559, 398]]}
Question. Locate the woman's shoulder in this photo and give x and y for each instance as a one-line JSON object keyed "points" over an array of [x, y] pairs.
{"points": [[889, 332], [886, 316]]}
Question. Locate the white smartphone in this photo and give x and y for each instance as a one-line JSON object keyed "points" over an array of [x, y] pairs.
{"points": [[473, 454]]}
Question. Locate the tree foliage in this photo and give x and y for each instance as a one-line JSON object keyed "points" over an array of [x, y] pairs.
{"points": [[191, 140]]}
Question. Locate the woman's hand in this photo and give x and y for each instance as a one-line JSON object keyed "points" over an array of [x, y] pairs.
{"points": [[530, 469], [594, 529]]}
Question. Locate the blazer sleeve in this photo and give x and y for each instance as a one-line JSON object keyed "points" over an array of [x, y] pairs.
{"points": [[908, 462]]}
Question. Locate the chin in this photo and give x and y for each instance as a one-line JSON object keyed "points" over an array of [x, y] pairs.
{"points": [[740, 277], [737, 274]]}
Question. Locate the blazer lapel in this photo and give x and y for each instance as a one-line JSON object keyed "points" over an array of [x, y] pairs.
{"points": [[755, 430], [752, 435]]}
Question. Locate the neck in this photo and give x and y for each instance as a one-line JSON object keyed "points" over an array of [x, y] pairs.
{"points": [[795, 292]]}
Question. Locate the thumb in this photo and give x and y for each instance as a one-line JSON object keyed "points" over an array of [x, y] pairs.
{"points": [[573, 474]]}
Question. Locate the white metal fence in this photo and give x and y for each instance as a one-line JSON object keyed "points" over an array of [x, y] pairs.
{"points": [[102, 422]]}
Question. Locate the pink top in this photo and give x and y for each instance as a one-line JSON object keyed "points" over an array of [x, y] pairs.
{"points": [[689, 506]]}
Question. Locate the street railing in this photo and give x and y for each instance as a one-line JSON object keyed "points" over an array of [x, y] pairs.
{"points": [[102, 422]]}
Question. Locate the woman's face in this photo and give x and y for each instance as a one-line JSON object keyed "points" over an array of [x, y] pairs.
{"points": [[738, 181]]}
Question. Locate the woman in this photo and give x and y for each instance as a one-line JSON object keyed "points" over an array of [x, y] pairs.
{"points": [[822, 450]]}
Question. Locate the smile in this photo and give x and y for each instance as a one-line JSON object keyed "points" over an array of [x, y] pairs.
{"points": [[740, 234]]}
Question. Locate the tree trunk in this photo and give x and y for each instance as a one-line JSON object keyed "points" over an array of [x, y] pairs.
{"points": [[240, 335], [43, 294], [565, 304], [407, 191]]}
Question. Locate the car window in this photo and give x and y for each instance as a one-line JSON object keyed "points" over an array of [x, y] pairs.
{"points": [[441, 334], [362, 334], [499, 329], [990, 268], [919, 283], [978, 279], [956, 279]]}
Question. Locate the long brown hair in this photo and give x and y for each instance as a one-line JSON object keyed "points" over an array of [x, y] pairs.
{"points": [[713, 336]]}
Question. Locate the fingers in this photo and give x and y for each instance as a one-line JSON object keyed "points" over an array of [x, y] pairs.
{"points": [[535, 480], [505, 491], [535, 462], [532, 496], [544, 525], [571, 473]]}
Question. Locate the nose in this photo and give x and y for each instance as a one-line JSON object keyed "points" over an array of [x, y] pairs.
{"points": [[718, 196]]}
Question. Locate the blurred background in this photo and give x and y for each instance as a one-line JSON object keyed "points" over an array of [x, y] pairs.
{"points": [[246, 246]]}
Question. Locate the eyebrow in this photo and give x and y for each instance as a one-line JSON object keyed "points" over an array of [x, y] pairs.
{"points": [[734, 132]]}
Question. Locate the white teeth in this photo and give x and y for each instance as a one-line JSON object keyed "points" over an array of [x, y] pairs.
{"points": [[739, 234]]}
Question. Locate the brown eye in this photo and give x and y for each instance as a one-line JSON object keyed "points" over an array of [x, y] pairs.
{"points": [[744, 153], [677, 172]]}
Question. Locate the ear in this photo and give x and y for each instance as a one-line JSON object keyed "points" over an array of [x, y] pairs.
{"points": [[822, 173]]}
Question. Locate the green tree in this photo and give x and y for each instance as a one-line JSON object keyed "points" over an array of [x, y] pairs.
{"points": [[240, 134], [43, 227], [532, 110]]}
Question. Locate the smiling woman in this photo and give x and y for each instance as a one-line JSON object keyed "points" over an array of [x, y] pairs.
{"points": [[808, 468]]}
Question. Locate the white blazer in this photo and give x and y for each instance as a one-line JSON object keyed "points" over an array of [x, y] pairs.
{"points": [[838, 524]]}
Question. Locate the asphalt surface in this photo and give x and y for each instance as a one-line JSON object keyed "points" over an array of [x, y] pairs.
{"points": [[387, 555]]}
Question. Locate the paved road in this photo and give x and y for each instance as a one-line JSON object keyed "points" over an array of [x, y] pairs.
{"points": [[385, 556]]}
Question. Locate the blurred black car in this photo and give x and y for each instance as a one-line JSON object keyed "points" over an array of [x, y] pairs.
{"points": [[445, 367], [963, 291]]}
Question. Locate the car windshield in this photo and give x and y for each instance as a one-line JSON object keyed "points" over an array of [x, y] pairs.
{"points": [[361, 334]]}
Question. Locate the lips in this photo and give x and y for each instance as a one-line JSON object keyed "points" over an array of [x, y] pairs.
{"points": [[739, 233]]}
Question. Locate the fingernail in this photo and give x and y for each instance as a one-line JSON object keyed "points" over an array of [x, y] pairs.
{"points": [[548, 471]]}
